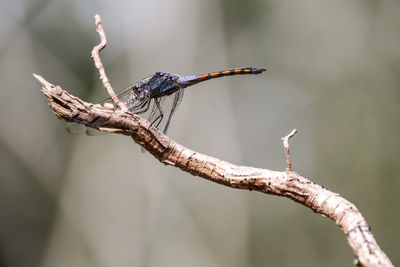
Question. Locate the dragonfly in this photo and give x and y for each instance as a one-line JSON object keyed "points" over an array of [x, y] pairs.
{"points": [[159, 95]]}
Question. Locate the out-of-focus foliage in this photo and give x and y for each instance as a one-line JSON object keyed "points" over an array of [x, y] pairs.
{"points": [[333, 73]]}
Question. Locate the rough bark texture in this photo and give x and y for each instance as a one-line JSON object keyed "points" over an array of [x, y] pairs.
{"points": [[287, 184]]}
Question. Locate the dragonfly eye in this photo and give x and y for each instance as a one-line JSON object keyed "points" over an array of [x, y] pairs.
{"points": [[140, 96], [136, 92]]}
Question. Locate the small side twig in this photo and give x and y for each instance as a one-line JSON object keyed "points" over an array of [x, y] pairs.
{"points": [[285, 141], [99, 65]]}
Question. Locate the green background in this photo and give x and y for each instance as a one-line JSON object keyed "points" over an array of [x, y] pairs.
{"points": [[333, 73]]}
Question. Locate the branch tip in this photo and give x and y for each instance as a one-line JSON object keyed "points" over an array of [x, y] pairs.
{"points": [[285, 141], [97, 19], [45, 84]]}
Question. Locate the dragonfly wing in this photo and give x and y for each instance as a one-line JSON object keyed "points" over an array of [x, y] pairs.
{"points": [[93, 132], [176, 101], [75, 128], [125, 96], [168, 105], [155, 113]]}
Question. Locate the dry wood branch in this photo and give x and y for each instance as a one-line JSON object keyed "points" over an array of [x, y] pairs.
{"points": [[287, 184]]}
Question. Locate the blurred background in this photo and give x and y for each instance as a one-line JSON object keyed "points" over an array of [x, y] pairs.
{"points": [[73, 200]]}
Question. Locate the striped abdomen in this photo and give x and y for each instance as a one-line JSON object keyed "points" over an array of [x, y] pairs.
{"points": [[190, 80]]}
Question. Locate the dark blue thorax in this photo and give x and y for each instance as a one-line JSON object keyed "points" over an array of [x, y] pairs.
{"points": [[161, 84]]}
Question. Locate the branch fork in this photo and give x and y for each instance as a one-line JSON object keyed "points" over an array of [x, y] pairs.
{"points": [[287, 184]]}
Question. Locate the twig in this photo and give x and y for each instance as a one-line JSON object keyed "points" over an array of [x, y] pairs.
{"points": [[287, 184], [99, 65], [285, 141]]}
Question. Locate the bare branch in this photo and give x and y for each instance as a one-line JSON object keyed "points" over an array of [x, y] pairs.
{"points": [[99, 65], [286, 184]]}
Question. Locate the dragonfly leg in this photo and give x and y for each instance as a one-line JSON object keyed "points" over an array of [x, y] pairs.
{"points": [[146, 105], [160, 117], [140, 104]]}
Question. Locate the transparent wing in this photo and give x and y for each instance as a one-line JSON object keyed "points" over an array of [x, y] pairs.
{"points": [[177, 100], [76, 128], [126, 96], [155, 112], [168, 105], [158, 111]]}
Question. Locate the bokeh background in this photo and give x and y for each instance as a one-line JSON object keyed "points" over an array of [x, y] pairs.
{"points": [[333, 73]]}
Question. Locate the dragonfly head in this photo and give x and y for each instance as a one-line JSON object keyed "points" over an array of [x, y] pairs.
{"points": [[138, 90], [140, 95]]}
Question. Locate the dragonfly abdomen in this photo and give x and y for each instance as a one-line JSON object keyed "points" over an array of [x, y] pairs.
{"points": [[190, 80], [223, 73]]}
